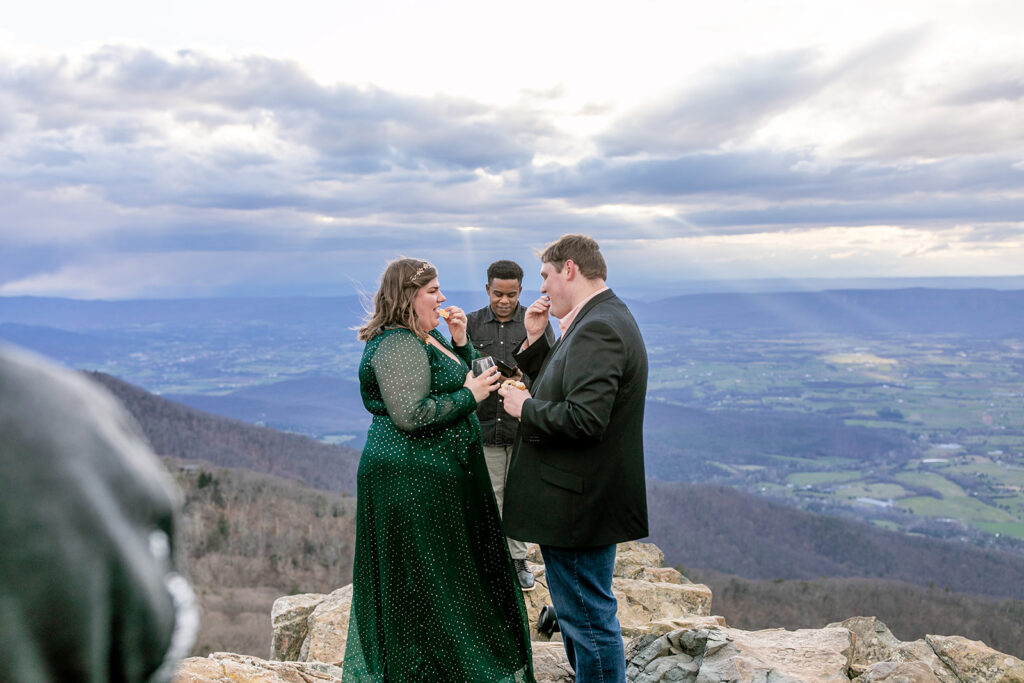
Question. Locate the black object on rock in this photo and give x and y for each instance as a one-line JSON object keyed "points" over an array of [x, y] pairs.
{"points": [[547, 620]]}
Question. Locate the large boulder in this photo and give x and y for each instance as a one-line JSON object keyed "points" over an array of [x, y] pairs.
{"points": [[327, 629], [872, 642], [821, 655], [974, 661], [643, 603], [651, 658], [710, 655], [288, 621], [633, 559], [920, 651]]}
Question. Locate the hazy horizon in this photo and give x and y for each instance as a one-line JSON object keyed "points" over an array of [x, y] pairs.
{"points": [[637, 290]]}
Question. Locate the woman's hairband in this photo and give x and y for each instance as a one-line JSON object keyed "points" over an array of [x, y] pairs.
{"points": [[419, 271]]}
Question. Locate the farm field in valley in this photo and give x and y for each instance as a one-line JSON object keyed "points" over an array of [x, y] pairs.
{"points": [[958, 401]]}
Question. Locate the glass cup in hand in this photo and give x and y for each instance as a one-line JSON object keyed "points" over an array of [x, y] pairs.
{"points": [[482, 365]]}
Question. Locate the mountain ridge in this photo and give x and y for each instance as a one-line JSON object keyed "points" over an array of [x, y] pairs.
{"points": [[179, 431], [697, 525]]}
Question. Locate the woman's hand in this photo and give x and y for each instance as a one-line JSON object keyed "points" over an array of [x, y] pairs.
{"points": [[483, 384], [456, 322]]}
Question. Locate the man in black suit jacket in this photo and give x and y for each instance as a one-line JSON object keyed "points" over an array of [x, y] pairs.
{"points": [[576, 481]]}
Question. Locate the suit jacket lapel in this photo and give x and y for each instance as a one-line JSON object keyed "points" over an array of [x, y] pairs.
{"points": [[547, 359]]}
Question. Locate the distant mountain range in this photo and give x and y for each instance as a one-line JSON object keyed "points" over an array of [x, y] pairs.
{"points": [[973, 312], [696, 525], [648, 291], [970, 312], [310, 405], [70, 348]]}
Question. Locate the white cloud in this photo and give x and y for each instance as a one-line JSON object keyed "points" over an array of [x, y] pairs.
{"points": [[360, 131], [834, 252]]}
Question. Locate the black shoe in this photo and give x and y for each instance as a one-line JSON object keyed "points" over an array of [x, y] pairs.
{"points": [[547, 620], [524, 575]]}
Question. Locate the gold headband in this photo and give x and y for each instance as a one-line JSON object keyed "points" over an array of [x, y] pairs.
{"points": [[419, 271]]}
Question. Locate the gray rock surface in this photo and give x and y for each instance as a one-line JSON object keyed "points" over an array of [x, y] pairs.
{"points": [[226, 667], [327, 629], [974, 661], [898, 672], [873, 641], [709, 655]]}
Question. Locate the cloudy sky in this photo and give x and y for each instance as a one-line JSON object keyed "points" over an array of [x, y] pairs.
{"points": [[220, 147]]}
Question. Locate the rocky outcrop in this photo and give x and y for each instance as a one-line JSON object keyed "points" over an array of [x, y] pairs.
{"points": [[647, 592], [313, 627], [974, 661], [225, 667], [327, 629], [670, 635], [550, 664], [872, 642], [880, 656], [289, 617], [898, 672], [708, 655]]}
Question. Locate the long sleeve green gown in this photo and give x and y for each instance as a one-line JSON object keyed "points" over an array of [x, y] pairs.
{"points": [[435, 597]]}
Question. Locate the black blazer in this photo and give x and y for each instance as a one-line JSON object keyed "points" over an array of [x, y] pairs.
{"points": [[576, 479]]}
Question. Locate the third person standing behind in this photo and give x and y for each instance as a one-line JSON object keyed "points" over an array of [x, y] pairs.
{"points": [[497, 330]]}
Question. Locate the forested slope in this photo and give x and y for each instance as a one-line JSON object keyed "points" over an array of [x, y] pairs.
{"points": [[179, 431], [716, 527]]}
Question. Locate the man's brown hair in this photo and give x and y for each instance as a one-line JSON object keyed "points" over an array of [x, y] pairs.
{"points": [[581, 250]]}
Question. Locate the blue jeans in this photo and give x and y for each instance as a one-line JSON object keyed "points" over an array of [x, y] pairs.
{"points": [[580, 582]]}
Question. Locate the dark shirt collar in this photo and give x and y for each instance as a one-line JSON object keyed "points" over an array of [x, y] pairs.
{"points": [[517, 315]]}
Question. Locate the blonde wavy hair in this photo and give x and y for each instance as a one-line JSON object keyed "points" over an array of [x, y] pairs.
{"points": [[393, 303]]}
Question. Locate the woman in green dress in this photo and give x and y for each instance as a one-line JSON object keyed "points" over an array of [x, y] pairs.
{"points": [[435, 597]]}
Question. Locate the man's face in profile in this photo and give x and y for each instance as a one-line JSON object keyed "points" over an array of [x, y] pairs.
{"points": [[504, 296]]}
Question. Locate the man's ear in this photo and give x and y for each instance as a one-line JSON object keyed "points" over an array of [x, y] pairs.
{"points": [[487, 288], [570, 268]]}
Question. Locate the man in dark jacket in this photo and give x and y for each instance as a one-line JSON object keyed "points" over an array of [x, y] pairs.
{"points": [[576, 481], [89, 590], [497, 330]]}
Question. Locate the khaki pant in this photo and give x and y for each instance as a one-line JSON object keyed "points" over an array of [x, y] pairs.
{"points": [[498, 458]]}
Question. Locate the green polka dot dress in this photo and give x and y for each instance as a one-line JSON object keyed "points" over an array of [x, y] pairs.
{"points": [[435, 597]]}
